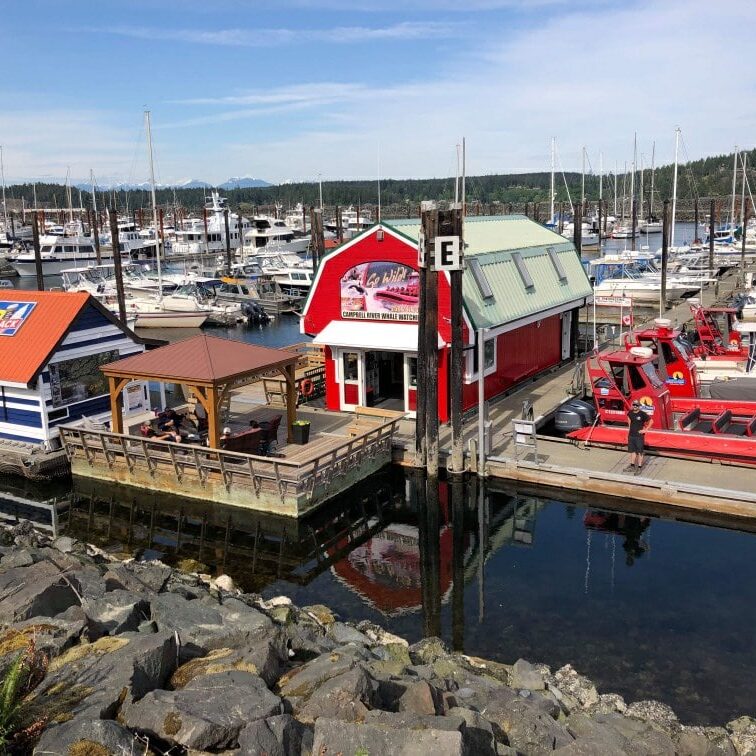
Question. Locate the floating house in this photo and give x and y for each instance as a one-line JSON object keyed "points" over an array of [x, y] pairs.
{"points": [[51, 347], [523, 285]]}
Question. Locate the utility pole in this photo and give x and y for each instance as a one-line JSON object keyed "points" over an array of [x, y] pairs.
{"points": [[115, 242], [37, 253], [665, 258]]}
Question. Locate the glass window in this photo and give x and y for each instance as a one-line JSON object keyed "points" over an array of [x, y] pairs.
{"points": [[76, 380], [412, 363], [489, 354], [350, 360], [653, 376]]}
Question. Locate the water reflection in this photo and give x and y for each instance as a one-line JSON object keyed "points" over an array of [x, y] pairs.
{"points": [[496, 573]]}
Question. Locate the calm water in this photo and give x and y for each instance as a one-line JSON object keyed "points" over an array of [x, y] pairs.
{"points": [[643, 606]]}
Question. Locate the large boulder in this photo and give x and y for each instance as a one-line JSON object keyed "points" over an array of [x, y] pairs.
{"points": [[348, 696], [335, 736], [203, 625], [705, 741], [302, 681], [572, 690], [90, 737], [209, 713], [51, 636], [743, 734], [139, 577], [525, 675], [528, 726], [116, 612], [280, 735], [95, 680], [39, 590]]}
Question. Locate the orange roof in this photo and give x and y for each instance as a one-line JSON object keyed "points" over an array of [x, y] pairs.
{"points": [[201, 359], [26, 352]]}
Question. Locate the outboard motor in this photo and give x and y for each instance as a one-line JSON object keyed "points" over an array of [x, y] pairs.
{"points": [[573, 415]]}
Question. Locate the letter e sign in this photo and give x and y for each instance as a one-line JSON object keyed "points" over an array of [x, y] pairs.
{"points": [[447, 253]]}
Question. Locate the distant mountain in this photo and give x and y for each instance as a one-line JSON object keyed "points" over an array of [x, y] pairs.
{"points": [[191, 184], [244, 182]]}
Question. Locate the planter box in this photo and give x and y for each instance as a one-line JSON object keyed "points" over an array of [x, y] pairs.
{"points": [[301, 433]]}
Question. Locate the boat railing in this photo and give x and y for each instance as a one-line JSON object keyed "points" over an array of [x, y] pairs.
{"points": [[133, 459]]}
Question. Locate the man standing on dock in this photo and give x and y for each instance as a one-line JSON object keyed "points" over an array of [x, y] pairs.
{"points": [[639, 423]]}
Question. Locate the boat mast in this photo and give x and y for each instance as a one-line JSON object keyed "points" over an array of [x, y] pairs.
{"points": [[640, 198], [154, 207], [601, 176], [651, 201], [94, 200], [674, 189], [734, 184], [582, 183], [632, 180], [551, 190], [742, 193], [616, 171], [5, 206]]}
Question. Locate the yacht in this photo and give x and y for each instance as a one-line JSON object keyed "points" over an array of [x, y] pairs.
{"points": [[195, 297], [650, 226], [193, 240], [58, 252], [130, 241], [272, 234]]}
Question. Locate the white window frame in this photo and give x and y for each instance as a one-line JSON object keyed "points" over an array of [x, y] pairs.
{"points": [[472, 375]]}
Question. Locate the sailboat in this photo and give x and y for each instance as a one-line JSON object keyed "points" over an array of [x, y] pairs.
{"points": [[152, 312]]}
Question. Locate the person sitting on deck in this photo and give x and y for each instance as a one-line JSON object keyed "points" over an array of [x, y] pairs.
{"points": [[225, 436], [160, 435]]}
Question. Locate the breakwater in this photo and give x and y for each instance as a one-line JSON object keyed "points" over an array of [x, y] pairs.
{"points": [[139, 656]]}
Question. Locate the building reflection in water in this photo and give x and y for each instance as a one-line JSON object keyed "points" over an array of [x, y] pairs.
{"points": [[399, 544]]}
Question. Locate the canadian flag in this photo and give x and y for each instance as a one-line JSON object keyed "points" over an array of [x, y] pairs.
{"points": [[627, 320]]}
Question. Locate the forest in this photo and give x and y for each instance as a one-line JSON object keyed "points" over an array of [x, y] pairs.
{"points": [[708, 177]]}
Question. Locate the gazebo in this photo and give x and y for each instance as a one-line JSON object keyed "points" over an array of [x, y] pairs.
{"points": [[207, 365]]}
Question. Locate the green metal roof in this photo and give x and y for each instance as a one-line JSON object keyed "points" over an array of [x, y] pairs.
{"points": [[493, 242]]}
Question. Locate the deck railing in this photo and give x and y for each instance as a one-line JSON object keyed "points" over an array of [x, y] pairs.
{"points": [[262, 476]]}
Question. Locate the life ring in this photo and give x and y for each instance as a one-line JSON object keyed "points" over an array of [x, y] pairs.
{"points": [[307, 387]]}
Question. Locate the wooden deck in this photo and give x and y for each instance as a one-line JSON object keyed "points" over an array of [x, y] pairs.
{"points": [[295, 481]]}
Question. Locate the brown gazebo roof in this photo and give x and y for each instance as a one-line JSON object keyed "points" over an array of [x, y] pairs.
{"points": [[205, 360]]}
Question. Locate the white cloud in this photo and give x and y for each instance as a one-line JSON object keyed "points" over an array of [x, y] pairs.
{"points": [[274, 37]]}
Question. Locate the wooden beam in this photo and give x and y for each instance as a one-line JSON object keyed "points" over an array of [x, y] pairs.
{"points": [[115, 387], [213, 418], [289, 372]]}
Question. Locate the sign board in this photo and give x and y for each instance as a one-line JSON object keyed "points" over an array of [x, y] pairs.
{"points": [[380, 290], [13, 315], [447, 253], [613, 301]]}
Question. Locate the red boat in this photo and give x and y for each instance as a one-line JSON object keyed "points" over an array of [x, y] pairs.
{"points": [[718, 338], [682, 426]]}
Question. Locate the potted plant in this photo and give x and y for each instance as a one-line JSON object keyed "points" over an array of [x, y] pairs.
{"points": [[300, 430]]}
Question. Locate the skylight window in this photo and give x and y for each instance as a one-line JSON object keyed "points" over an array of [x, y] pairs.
{"points": [[480, 278], [522, 269], [557, 263]]}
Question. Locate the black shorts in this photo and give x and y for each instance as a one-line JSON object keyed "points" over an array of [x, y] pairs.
{"points": [[635, 444]]}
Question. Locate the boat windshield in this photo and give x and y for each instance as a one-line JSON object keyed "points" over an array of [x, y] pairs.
{"points": [[683, 347], [653, 376]]}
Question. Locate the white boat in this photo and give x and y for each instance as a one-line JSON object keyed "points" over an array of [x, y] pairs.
{"points": [[57, 253], [192, 239], [624, 232], [292, 274], [130, 241], [651, 226], [193, 298], [268, 234], [149, 313]]}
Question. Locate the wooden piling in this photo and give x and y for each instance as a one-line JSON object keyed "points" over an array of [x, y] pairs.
{"points": [[712, 221], [577, 228], [115, 243], [37, 252], [450, 224]]}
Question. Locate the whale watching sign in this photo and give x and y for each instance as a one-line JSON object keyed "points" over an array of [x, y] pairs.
{"points": [[12, 316]]}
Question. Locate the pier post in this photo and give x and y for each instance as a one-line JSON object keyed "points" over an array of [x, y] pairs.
{"points": [[421, 450], [339, 227], [430, 230], [664, 259], [577, 228], [452, 225], [37, 252], [228, 240], [116, 245], [95, 235], [712, 219], [458, 561], [561, 217]]}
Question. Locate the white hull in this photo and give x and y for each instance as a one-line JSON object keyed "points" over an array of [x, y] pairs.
{"points": [[170, 320], [639, 293], [53, 267]]}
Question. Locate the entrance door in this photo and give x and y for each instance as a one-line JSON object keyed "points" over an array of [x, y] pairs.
{"points": [[350, 387]]}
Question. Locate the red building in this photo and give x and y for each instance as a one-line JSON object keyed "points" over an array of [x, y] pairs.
{"points": [[522, 287]]}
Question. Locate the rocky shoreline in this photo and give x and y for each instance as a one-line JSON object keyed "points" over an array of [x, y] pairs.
{"points": [[139, 658]]}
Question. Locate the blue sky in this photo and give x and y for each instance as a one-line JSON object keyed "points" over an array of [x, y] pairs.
{"points": [[349, 88]]}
